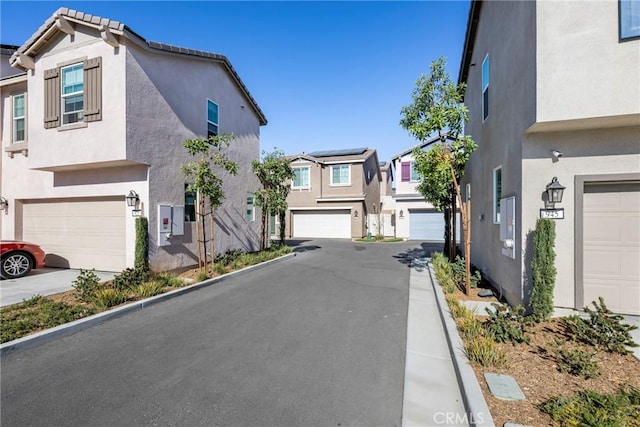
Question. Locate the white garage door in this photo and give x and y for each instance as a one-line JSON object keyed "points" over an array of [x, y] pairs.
{"points": [[322, 224], [612, 246], [429, 226], [78, 233]]}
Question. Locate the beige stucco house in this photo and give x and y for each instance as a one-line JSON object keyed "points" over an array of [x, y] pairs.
{"points": [[93, 113], [416, 219], [554, 91], [332, 193]]}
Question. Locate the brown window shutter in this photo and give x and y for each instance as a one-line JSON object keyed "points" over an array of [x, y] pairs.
{"points": [[93, 89], [52, 98]]}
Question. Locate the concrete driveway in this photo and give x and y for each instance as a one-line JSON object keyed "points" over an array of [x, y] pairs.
{"points": [[317, 340], [42, 281]]}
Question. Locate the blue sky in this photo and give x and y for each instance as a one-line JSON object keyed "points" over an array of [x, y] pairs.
{"points": [[327, 75]]}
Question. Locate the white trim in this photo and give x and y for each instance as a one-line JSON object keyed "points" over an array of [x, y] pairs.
{"points": [[63, 96], [341, 162], [341, 199], [14, 117], [340, 184], [496, 212], [13, 80], [301, 187], [321, 208]]}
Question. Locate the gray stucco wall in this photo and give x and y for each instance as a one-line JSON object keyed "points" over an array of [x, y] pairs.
{"points": [[506, 32], [167, 104]]}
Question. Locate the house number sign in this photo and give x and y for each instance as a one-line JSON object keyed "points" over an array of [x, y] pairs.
{"points": [[552, 213]]}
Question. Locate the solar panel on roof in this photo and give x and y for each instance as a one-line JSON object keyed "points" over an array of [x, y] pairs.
{"points": [[336, 153]]}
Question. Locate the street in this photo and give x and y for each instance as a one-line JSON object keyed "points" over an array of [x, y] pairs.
{"points": [[316, 340]]}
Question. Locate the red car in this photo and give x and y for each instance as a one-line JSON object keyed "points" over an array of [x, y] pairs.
{"points": [[18, 258]]}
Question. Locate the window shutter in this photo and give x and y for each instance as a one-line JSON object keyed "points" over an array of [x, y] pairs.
{"points": [[93, 89], [406, 171], [51, 98]]}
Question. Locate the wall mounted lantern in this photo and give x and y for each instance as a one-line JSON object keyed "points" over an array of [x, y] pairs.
{"points": [[4, 204], [555, 190], [132, 199], [401, 213], [355, 213]]}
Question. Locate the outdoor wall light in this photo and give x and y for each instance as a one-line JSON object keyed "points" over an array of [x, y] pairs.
{"points": [[132, 199], [401, 213], [555, 190], [355, 213], [4, 204]]}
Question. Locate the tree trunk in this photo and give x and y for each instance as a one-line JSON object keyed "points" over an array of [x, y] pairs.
{"points": [[454, 228], [447, 232], [281, 217], [213, 253], [204, 233]]}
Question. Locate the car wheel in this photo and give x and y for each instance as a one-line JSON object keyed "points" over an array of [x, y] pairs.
{"points": [[15, 265]]}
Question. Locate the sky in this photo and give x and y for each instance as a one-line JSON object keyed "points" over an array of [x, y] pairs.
{"points": [[327, 75]]}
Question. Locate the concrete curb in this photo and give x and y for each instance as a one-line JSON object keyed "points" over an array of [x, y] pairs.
{"points": [[48, 335], [474, 401]]}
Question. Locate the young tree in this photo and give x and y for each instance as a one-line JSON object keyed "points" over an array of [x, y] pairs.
{"points": [[203, 174], [273, 172], [437, 109]]}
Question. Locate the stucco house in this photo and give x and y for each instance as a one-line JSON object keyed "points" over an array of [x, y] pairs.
{"points": [[416, 219], [332, 193], [94, 113], [552, 91]]}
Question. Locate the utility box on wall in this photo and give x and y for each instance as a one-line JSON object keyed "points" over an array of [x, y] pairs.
{"points": [[170, 223]]}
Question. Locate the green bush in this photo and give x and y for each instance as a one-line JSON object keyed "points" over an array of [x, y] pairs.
{"points": [[220, 269], [603, 329], [86, 285], [459, 274], [130, 278], [202, 275], [148, 289], [507, 324], [485, 351], [470, 328], [588, 408], [576, 361], [228, 257], [443, 271], [142, 243], [109, 297], [167, 280], [543, 269]]}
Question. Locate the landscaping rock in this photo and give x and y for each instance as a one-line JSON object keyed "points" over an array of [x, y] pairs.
{"points": [[503, 387]]}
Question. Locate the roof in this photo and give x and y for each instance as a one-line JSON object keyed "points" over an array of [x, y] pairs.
{"points": [[420, 145], [336, 153], [339, 156], [469, 40], [51, 26], [8, 49]]}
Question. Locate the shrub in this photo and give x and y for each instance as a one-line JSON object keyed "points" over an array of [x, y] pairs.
{"points": [[228, 257], [543, 269], [86, 285], [577, 361], [458, 310], [443, 271], [588, 408], [142, 243], [470, 328], [130, 278], [485, 351], [167, 280], [109, 297], [202, 276], [148, 289], [459, 272], [506, 324], [603, 329], [220, 269]]}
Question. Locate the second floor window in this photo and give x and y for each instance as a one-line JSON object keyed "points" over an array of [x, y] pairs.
{"points": [[340, 175], [212, 118], [415, 176], [485, 88], [629, 11], [251, 209], [72, 94], [19, 118], [300, 178]]}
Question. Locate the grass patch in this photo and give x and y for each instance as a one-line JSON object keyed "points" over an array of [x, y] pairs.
{"points": [[485, 351], [379, 238]]}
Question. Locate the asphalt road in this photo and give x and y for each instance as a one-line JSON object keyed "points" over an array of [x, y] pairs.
{"points": [[317, 340]]}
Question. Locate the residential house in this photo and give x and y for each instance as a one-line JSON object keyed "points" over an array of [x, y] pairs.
{"points": [[416, 219], [388, 217], [552, 93], [332, 193], [97, 113]]}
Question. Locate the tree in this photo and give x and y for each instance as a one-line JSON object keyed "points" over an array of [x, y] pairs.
{"points": [[437, 109], [206, 183], [273, 173], [543, 269]]}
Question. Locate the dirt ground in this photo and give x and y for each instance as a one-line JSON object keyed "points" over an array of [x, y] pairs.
{"points": [[537, 374]]}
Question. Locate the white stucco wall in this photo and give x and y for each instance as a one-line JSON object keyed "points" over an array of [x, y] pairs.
{"points": [[584, 71]]}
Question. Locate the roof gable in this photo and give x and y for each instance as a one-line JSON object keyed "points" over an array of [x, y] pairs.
{"points": [[421, 145]]}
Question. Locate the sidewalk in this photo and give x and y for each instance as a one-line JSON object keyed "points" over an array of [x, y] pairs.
{"points": [[440, 387]]}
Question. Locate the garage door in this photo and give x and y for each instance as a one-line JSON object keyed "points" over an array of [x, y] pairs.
{"points": [[78, 233], [611, 239], [429, 226], [322, 224]]}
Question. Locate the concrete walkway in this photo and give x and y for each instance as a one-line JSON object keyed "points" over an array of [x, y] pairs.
{"points": [[440, 387]]}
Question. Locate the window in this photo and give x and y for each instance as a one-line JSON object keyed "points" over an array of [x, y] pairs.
{"points": [[497, 193], [415, 176], [300, 177], [251, 209], [212, 118], [341, 175], [19, 118], [485, 88], [629, 19], [72, 94], [190, 198]]}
